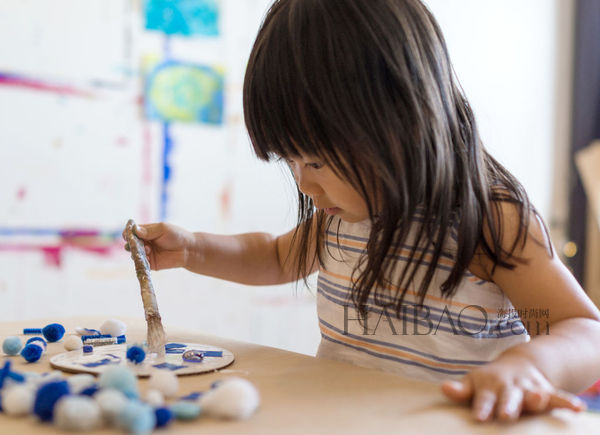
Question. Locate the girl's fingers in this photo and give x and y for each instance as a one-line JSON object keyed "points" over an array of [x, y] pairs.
{"points": [[561, 399], [484, 402], [536, 401], [460, 391], [510, 404]]}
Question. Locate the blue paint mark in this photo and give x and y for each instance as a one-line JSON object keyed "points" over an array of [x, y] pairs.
{"points": [[183, 17], [174, 345], [193, 396], [102, 362], [167, 149], [178, 351], [60, 233], [169, 366]]}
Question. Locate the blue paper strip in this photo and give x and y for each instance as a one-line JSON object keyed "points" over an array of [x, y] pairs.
{"points": [[169, 366]]}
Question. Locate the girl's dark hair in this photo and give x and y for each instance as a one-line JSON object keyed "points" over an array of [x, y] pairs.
{"points": [[367, 86]]}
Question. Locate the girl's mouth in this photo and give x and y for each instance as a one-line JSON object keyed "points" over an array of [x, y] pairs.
{"points": [[332, 211]]}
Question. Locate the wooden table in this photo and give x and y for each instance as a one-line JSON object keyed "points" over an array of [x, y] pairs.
{"points": [[301, 394]]}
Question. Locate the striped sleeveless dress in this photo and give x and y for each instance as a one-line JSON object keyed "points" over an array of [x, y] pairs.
{"points": [[437, 340]]}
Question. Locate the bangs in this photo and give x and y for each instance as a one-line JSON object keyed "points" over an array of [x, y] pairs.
{"points": [[292, 101]]}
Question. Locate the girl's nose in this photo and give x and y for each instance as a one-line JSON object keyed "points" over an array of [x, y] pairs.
{"points": [[306, 184]]}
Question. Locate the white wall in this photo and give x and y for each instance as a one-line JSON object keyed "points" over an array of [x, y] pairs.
{"points": [[93, 163]]}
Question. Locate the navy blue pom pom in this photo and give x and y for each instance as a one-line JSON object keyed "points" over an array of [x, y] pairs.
{"points": [[163, 416], [136, 354], [90, 391], [32, 352], [53, 332], [46, 398]]}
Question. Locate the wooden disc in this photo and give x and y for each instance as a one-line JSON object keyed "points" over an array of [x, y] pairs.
{"points": [[104, 357]]}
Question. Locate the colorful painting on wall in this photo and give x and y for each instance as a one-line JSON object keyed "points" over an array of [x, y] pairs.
{"points": [[177, 91], [183, 17]]}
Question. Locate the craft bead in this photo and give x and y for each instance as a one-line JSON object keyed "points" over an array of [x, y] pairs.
{"points": [[113, 327], [163, 417], [185, 410], [233, 398], [12, 345], [155, 398], [136, 354], [53, 332], [120, 378], [47, 396], [111, 402], [164, 381], [18, 400], [77, 413], [32, 352], [73, 342], [137, 417]]}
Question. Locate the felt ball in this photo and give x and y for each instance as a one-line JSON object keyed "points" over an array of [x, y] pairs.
{"points": [[12, 345], [47, 396], [78, 383], [18, 400], [155, 398], [184, 410], [37, 340], [113, 327], [53, 332], [234, 398], [136, 354], [73, 342], [111, 402], [32, 352], [137, 417], [120, 378], [163, 416], [164, 381], [77, 413]]}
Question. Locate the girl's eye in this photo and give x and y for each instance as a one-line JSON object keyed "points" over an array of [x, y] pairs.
{"points": [[315, 165]]}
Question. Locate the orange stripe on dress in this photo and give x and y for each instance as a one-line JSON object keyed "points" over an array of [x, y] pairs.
{"points": [[412, 293], [390, 352]]}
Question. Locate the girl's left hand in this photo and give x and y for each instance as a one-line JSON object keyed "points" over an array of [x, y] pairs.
{"points": [[508, 387]]}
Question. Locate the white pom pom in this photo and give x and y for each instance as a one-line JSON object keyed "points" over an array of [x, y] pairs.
{"points": [[164, 381], [111, 403], [73, 342], [18, 400], [77, 413], [155, 398], [233, 398], [80, 382], [113, 327]]}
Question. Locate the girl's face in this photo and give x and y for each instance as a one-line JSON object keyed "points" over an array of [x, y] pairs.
{"points": [[329, 193]]}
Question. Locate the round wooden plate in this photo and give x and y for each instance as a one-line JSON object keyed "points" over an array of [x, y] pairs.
{"points": [[104, 357]]}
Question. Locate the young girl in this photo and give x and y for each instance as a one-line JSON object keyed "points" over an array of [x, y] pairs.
{"points": [[431, 258]]}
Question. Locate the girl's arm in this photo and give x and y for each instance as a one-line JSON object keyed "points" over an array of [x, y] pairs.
{"points": [[539, 375], [250, 258]]}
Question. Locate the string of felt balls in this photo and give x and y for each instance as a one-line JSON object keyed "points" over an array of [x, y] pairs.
{"points": [[80, 402]]}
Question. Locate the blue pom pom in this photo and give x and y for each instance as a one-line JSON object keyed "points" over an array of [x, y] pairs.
{"points": [[90, 391], [32, 352], [47, 396], [137, 417], [39, 340], [53, 332], [136, 354], [163, 416], [12, 345]]}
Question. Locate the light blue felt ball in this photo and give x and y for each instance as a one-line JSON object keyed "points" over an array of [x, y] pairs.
{"points": [[12, 345], [120, 378], [184, 410], [137, 417]]}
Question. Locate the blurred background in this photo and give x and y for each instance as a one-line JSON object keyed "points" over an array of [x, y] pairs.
{"points": [[118, 109]]}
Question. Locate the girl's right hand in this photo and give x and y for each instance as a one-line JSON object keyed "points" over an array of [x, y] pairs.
{"points": [[167, 246]]}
